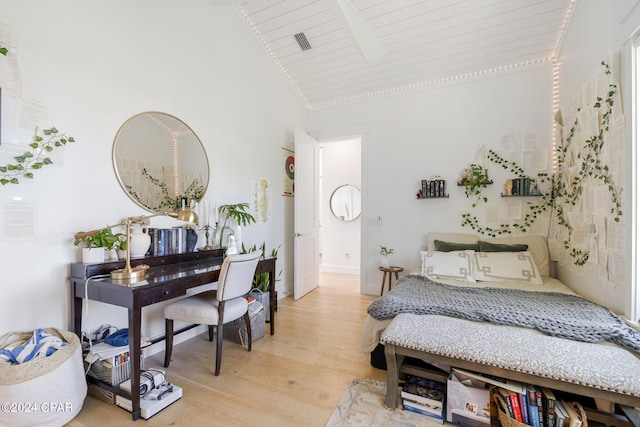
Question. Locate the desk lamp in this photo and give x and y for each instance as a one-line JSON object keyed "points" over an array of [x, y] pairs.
{"points": [[128, 274]]}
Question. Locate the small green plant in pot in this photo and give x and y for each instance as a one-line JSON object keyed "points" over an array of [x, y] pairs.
{"points": [[98, 242], [261, 281]]}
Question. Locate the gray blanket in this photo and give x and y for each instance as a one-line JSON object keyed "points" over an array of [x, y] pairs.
{"points": [[556, 314]]}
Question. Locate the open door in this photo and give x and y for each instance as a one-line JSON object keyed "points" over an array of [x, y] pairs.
{"points": [[306, 253]]}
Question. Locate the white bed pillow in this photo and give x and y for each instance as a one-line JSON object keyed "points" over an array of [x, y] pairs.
{"points": [[456, 265], [506, 267]]}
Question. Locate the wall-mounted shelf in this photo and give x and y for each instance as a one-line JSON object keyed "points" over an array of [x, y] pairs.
{"points": [[432, 189], [463, 184], [419, 196], [520, 195]]}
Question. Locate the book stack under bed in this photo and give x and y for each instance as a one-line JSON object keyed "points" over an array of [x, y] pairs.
{"points": [[515, 405], [537, 407], [424, 396]]}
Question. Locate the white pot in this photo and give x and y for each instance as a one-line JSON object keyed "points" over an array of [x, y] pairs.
{"points": [[140, 241], [92, 255], [111, 255]]}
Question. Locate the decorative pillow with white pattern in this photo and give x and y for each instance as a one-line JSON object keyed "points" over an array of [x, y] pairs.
{"points": [[456, 265], [506, 267]]}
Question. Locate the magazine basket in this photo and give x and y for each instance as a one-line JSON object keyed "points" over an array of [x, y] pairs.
{"points": [[506, 420]]}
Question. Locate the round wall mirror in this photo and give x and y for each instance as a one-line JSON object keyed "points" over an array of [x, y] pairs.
{"points": [[160, 162], [345, 202]]}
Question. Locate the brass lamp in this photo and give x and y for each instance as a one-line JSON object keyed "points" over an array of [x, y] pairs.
{"points": [[128, 274]]}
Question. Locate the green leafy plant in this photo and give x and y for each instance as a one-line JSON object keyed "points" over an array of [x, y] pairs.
{"points": [[3, 50], [238, 213], [384, 251], [476, 179], [564, 195], [35, 158], [101, 239], [261, 281], [168, 202]]}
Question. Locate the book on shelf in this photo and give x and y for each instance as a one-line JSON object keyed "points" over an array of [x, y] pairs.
{"points": [[424, 391], [524, 407], [540, 405], [433, 410], [562, 419], [548, 406], [534, 417], [575, 418], [515, 402], [407, 406]]}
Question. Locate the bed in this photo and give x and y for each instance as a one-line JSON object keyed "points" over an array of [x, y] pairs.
{"points": [[491, 305]]}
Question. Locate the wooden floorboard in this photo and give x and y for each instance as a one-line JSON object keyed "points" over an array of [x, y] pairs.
{"points": [[293, 378]]}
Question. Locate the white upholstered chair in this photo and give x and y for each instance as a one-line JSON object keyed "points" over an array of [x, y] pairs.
{"points": [[215, 308]]}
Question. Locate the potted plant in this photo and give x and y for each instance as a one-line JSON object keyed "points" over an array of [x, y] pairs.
{"points": [[94, 245], [474, 180], [261, 284], [236, 212], [385, 252]]}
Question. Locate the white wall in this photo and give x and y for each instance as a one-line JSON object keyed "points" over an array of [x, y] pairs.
{"points": [[433, 132], [341, 164], [95, 64], [597, 29]]}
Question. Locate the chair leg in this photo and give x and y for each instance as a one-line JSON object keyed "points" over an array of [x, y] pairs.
{"points": [[210, 333], [247, 322], [218, 348], [168, 342], [219, 334]]}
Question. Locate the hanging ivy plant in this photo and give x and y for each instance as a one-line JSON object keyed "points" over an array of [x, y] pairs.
{"points": [[475, 180], [35, 158], [561, 193]]}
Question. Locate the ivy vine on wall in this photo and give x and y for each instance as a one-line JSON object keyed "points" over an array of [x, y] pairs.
{"points": [[564, 192], [35, 158]]}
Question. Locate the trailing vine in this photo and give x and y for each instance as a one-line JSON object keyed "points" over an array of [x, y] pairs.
{"points": [[561, 193], [194, 191], [35, 158], [474, 181]]}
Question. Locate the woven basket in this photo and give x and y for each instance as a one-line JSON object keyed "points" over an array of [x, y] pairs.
{"points": [[506, 420]]}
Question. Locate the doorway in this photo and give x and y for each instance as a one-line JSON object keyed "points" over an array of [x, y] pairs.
{"points": [[340, 227]]}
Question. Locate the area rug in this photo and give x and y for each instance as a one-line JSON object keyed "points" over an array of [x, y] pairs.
{"points": [[362, 404]]}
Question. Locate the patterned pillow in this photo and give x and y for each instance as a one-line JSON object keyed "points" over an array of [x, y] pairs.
{"points": [[506, 267], [448, 265]]}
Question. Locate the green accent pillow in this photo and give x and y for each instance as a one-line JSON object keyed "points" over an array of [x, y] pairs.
{"points": [[442, 246], [501, 247]]}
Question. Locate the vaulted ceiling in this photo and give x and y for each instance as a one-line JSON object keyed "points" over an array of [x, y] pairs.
{"points": [[421, 43]]}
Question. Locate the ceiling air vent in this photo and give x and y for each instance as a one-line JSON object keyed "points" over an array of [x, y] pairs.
{"points": [[302, 41]]}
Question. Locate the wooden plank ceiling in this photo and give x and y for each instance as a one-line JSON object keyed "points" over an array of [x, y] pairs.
{"points": [[428, 42]]}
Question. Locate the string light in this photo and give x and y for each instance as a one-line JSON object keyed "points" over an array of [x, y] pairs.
{"points": [[275, 59], [174, 140], [555, 98], [427, 84], [431, 83]]}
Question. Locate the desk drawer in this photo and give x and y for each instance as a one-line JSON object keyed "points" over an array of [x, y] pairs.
{"points": [[163, 293]]}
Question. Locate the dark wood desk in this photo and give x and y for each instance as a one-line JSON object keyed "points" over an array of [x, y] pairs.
{"points": [[168, 277]]}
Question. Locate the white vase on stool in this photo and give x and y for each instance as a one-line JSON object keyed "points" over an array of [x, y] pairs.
{"points": [[384, 261]]}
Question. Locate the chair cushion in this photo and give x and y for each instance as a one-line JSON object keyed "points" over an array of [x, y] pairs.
{"points": [[202, 309]]}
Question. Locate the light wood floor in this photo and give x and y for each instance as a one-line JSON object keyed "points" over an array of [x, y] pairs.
{"points": [[293, 378]]}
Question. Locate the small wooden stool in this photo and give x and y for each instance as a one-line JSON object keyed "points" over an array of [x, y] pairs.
{"points": [[387, 272]]}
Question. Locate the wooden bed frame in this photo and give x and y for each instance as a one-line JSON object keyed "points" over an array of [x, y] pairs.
{"points": [[396, 353]]}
